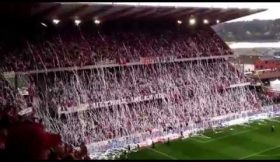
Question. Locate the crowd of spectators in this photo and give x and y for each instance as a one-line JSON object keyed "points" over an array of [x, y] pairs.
{"points": [[80, 48], [71, 89], [124, 120], [194, 93], [24, 137]]}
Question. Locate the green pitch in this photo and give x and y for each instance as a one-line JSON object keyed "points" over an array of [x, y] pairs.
{"points": [[249, 141]]}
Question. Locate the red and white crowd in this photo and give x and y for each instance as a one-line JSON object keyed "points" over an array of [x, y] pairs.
{"points": [[194, 91], [81, 48]]}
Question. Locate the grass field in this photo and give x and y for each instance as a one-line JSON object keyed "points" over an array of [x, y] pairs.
{"points": [[248, 141]]}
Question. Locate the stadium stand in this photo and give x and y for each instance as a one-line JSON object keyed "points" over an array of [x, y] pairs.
{"points": [[159, 85]]}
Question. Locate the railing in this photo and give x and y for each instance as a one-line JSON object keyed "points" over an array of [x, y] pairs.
{"points": [[239, 85], [153, 60]]}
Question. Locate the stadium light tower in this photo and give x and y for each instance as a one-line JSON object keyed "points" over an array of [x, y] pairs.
{"points": [[55, 21], [96, 21], [179, 22], [205, 21], [192, 21], [77, 22]]}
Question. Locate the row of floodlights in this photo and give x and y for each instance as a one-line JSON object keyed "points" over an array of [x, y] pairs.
{"points": [[192, 21], [76, 21]]}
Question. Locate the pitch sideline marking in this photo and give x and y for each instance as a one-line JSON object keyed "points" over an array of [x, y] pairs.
{"points": [[216, 132], [200, 138], [259, 152], [162, 153], [269, 155], [218, 138], [204, 136], [214, 139]]}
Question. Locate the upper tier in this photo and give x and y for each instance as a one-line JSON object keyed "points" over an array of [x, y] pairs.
{"points": [[81, 47]]}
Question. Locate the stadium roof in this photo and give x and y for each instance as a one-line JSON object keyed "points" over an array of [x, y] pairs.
{"points": [[108, 12]]}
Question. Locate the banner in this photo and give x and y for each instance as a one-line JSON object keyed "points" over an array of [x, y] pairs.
{"points": [[25, 111], [86, 106], [146, 60]]}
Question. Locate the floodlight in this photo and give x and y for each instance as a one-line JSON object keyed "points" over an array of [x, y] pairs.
{"points": [[77, 22], [205, 21], [56, 21], [179, 21], [96, 21], [192, 21]]}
